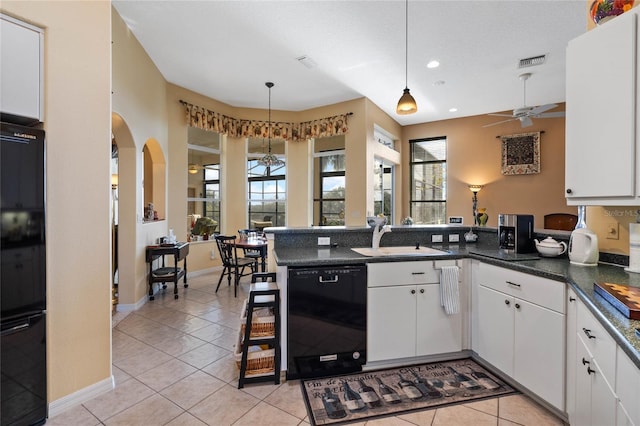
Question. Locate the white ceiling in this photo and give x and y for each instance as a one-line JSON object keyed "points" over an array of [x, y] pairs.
{"points": [[228, 49]]}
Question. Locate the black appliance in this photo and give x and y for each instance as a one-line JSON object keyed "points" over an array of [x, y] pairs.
{"points": [[23, 389], [515, 233], [327, 320]]}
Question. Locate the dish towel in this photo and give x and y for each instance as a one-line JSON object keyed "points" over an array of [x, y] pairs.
{"points": [[449, 291]]}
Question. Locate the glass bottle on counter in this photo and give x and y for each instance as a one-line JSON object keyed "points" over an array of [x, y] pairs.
{"points": [[409, 388], [352, 399], [389, 395], [332, 405], [368, 395]]}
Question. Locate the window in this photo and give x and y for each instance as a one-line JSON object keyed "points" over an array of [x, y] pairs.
{"points": [[203, 182], [331, 190], [428, 185], [383, 189], [267, 193]]}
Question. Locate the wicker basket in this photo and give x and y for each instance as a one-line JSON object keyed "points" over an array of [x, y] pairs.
{"points": [[258, 362], [263, 323]]}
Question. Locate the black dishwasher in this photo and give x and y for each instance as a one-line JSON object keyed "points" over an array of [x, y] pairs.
{"points": [[327, 320]]}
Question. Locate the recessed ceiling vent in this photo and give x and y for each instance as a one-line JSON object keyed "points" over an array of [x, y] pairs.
{"points": [[307, 61], [533, 61]]}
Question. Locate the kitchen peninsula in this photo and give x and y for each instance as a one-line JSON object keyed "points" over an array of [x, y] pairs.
{"points": [[298, 247]]}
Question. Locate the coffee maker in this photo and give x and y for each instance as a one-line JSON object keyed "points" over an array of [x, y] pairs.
{"points": [[515, 233]]}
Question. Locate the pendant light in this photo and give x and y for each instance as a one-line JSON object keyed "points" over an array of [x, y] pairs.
{"points": [[406, 104], [270, 160]]}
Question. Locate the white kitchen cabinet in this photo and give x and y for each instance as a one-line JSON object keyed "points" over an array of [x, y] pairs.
{"points": [[520, 329], [571, 317], [602, 164], [21, 67], [627, 390], [404, 316]]}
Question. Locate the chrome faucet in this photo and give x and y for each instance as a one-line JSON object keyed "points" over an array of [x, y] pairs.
{"points": [[377, 235]]}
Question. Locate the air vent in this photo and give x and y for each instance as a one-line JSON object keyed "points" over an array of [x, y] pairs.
{"points": [[533, 61], [307, 61]]}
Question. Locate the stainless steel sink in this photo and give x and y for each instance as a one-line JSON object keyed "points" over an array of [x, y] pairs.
{"points": [[398, 251]]}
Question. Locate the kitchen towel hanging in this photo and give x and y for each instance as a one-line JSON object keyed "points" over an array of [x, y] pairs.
{"points": [[449, 290]]}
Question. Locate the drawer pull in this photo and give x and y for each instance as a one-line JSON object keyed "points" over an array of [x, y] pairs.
{"points": [[513, 284], [589, 370], [506, 302], [413, 292], [422, 290], [417, 273], [587, 332], [517, 306], [585, 362]]}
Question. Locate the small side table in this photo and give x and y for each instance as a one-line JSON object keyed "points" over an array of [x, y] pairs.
{"points": [[165, 274]]}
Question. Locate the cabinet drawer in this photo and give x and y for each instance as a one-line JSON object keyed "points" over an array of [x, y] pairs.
{"points": [[598, 342], [401, 273], [541, 291]]}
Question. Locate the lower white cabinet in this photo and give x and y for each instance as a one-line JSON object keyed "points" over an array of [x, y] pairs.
{"points": [[404, 316], [627, 390], [519, 335]]}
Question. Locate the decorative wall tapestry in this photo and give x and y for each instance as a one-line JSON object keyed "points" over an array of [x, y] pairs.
{"points": [[521, 154], [208, 120]]}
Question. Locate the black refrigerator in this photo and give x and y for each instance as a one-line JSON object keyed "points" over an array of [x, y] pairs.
{"points": [[23, 390]]}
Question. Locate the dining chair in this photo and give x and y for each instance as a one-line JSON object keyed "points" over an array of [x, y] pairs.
{"points": [[232, 265], [248, 253]]}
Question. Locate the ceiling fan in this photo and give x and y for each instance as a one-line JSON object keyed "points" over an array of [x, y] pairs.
{"points": [[526, 113]]}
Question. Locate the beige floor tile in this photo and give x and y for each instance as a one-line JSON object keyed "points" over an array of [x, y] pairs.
{"points": [[390, 421], [186, 419], [224, 406], [224, 369], [116, 400], [264, 414], [155, 410], [76, 416], [227, 340], [119, 376], [503, 422], [204, 355], [192, 389], [142, 361], [179, 345], [288, 397], [212, 332], [459, 415], [488, 406], [166, 374], [423, 417], [260, 389], [523, 410]]}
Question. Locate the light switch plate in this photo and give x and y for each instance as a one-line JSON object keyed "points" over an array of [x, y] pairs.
{"points": [[613, 231], [324, 241]]}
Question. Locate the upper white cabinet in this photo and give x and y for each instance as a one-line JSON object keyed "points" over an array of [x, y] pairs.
{"points": [[21, 70], [602, 164]]}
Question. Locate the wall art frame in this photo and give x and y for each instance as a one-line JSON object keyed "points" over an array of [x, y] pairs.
{"points": [[521, 154]]}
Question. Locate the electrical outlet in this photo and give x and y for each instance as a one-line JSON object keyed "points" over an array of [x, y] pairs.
{"points": [[324, 241], [436, 238], [454, 238], [613, 231]]}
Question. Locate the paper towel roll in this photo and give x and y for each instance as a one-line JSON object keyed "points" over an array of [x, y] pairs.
{"points": [[634, 248]]}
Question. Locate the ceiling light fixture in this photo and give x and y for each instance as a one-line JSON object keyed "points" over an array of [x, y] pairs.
{"points": [[270, 160], [406, 104], [433, 64]]}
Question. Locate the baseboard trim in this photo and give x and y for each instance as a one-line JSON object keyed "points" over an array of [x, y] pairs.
{"points": [[83, 395]]}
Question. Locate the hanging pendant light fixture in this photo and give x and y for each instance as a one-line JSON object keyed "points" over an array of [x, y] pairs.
{"points": [[270, 160], [406, 104]]}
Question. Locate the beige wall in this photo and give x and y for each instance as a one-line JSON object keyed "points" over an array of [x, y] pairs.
{"points": [[474, 157], [77, 89]]}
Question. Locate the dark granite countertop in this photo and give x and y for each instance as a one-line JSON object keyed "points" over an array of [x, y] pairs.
{"points": [[580, 278]]}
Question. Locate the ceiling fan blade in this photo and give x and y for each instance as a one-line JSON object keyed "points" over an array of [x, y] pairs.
{"points": [[526, 122], [499, 122], [542, 108], [551, 114], [502, 115]]}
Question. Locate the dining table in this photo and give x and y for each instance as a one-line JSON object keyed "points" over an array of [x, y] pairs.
{"points": [[258, 244]]}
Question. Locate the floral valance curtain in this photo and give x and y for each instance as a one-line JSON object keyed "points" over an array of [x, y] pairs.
{"points": [[215, 122]]}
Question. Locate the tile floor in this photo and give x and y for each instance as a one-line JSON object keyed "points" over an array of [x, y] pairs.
{"points": [[173, 365]]}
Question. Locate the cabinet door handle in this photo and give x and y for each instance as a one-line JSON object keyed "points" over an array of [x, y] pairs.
{"points": [[585, 362], [413, 292], [589, 370], [517, 306], [572, 299], [417, 273], [422, 290], [587, 332], [506, 302], [513, 284], [569, 191]]}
